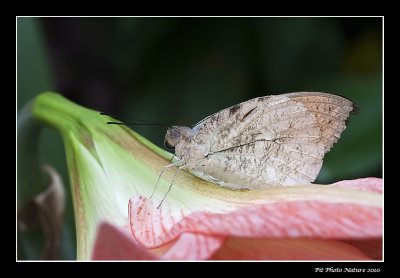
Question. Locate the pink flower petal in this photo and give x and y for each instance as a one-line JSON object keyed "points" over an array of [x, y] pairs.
{"points": [[200, 234], [287, 249], [153, 222], [371, 247], [288, 230], [113, 243], [194, 247], [311, 219], [366, 184]]}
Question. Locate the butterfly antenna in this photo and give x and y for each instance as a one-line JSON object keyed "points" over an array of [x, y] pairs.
{"points": [[120, 123], [139, 121]]}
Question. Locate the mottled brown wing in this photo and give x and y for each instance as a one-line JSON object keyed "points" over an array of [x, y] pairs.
{"points": [[273, 140], [331, 113]]}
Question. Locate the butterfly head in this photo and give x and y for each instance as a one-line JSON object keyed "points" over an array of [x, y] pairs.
{"points": [[173, 137], [176, 134]]}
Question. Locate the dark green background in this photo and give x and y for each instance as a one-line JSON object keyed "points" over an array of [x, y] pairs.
{"points": [[180, 70]]}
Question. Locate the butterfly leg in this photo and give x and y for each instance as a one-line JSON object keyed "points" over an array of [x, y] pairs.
{"points": [[170, 186], [163, 170], [172, 158]]}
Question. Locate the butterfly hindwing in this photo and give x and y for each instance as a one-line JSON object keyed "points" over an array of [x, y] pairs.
{"points": [[273, 140]]}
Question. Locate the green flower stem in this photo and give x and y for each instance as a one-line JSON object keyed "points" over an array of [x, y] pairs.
{"points": [[31, 178]]}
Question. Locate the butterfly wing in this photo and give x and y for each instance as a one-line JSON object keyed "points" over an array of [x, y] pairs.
{"points": [[273, 140]]}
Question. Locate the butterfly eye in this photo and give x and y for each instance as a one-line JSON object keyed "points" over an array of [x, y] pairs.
{"points": [[168, 146]]}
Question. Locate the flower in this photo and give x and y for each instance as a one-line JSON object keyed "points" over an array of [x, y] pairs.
{"points": [[113, 168], [325, 225]]}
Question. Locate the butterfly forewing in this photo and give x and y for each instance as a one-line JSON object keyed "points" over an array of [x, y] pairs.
{"points": [[272, 140]]}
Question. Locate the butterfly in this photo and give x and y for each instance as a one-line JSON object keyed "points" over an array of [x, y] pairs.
{"points": [[277, 140]]}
